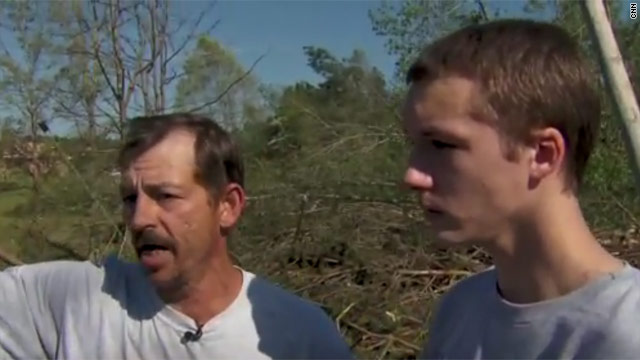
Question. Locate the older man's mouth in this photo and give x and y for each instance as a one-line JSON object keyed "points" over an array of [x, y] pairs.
{"points": [[154, 257]]}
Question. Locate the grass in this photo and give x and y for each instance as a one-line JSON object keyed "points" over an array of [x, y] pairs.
{"points": [[12, 196], [53, 234]]}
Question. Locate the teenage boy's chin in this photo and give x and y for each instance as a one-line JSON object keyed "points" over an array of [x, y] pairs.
{"points": [[447, 236]]}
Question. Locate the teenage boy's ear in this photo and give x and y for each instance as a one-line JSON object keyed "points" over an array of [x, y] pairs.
{"points": [[548, 149]]}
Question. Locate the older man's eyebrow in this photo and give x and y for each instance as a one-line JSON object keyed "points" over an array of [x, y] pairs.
{"points": [[164, 185], [127, 186]]}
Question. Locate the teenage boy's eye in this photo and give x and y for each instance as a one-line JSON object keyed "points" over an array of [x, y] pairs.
{"points": [[441, 145]]}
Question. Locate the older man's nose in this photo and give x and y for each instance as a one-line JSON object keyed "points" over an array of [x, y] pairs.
{"points": [[143, 214]]}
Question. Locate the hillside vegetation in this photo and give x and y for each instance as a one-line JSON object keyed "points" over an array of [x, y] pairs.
{"points": [[328, 217]]}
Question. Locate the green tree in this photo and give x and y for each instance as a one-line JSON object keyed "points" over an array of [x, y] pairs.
{"points": [[409, 25], [323, 176], [215, 83]]}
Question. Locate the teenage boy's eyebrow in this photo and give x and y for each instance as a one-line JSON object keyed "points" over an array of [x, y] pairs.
{"points": [[438, 132], [444, 135]]}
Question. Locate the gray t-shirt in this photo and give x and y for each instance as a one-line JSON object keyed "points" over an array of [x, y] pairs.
{"points": [[600, 320], [77, 310]]}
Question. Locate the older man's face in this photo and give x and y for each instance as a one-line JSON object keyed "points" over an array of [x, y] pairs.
{"points": [[173, 219]]}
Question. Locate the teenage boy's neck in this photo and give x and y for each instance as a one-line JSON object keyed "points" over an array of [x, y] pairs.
{"points": [[550, 254]]}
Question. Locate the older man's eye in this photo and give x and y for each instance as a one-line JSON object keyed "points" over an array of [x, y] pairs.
{"points": [[167, 196], [129, 199]]}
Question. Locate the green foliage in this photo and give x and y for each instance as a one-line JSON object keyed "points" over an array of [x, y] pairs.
{"points": [[72, 215], [324, 194], [211, 85], [608, 188], [327, 132], [410, 25], [327, 216]]}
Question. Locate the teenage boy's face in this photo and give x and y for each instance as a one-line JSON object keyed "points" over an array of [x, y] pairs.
{"points": [[469, 190]]}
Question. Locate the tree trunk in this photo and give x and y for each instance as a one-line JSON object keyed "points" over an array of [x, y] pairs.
{"points": [[616, 78]]}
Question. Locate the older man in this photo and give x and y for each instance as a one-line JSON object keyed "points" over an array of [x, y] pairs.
{"points": [[182, 193]]}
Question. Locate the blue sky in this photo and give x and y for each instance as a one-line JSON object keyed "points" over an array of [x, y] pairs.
{"points": [[281, 28], [253, 27]]}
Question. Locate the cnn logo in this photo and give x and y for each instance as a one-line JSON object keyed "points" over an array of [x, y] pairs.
{"points": [[633, 10]]}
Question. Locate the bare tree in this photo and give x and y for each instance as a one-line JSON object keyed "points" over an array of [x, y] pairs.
{"points": [[26, 82], [127, 48]]}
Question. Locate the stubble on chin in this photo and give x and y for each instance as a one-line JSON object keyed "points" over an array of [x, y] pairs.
{"points": [[171, 290]]}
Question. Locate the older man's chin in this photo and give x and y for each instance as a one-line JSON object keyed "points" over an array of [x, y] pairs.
{"points": [[169, 284]]}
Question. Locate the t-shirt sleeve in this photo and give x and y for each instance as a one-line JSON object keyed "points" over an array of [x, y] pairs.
{"points": [[451, 309], [327, 342], [33, 301], [444, 316], [19, 335]]}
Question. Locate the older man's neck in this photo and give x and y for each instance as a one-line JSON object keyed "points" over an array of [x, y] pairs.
{"points": [[552, 255], [212, 293]]}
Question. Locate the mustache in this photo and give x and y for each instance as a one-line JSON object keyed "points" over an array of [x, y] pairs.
{"points": [[149, 237]]}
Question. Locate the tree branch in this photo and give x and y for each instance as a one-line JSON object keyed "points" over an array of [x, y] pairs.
{"points": [[483, 10], [228, 88], [617, 80]]}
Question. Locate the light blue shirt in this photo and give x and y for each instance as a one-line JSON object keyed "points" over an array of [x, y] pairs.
{"points": [[598, 321], [77, 310]]}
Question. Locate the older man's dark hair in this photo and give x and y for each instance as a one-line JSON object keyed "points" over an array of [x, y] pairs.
{"points": [[217, 156]]}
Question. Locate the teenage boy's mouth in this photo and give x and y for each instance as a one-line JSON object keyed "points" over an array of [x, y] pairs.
{"points": [[434, 211]]}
